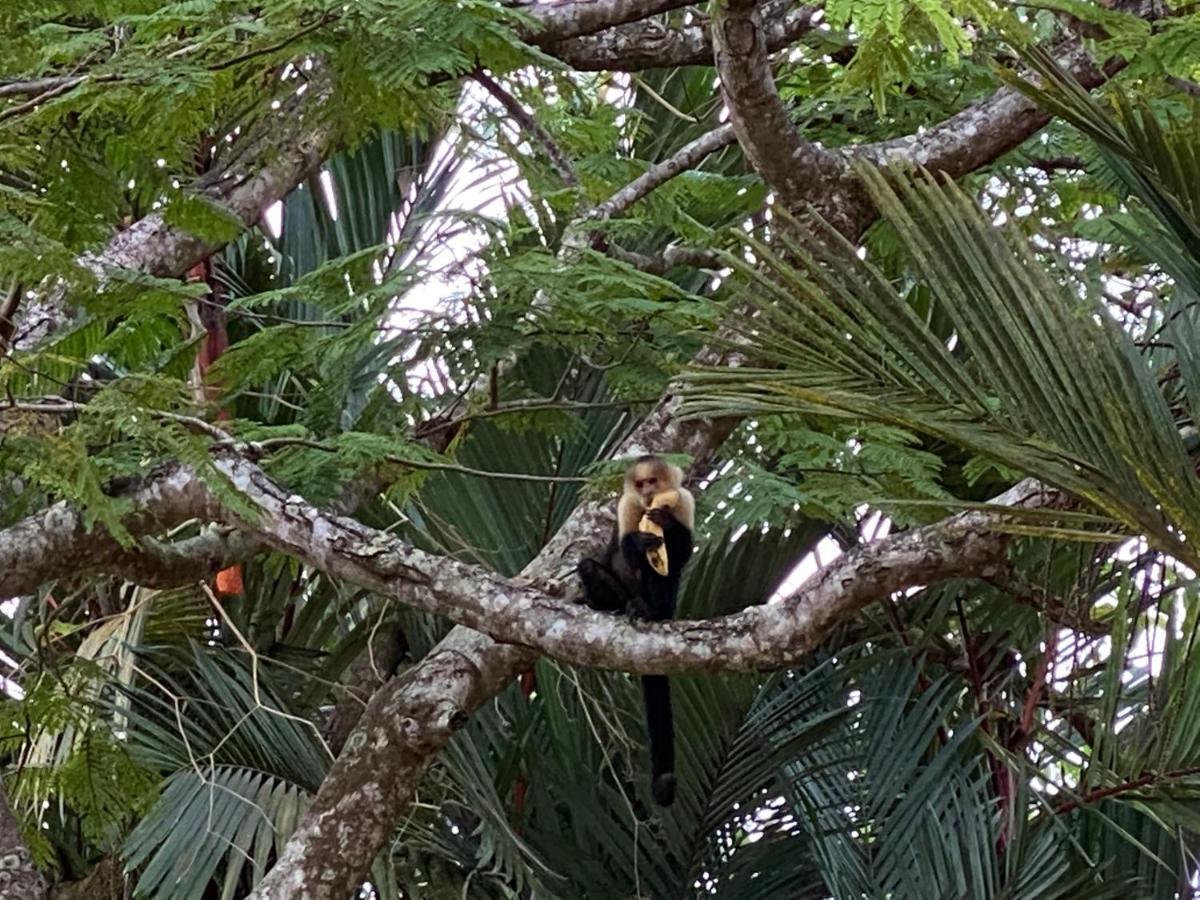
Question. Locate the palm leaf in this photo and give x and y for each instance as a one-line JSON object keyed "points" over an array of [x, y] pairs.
{"points": [[241, 765], [209, 820], [1052, 386]]}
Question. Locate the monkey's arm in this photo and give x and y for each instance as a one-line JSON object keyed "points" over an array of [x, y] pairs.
{"points": [[634, 543], [677, 524]]}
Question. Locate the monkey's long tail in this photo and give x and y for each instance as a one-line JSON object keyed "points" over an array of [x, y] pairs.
{"points": [[656, 689]]}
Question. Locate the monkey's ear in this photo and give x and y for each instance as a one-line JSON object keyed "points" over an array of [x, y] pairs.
{"points": [[676, 475]]}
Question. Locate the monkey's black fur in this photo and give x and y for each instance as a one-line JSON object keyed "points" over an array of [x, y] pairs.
{"points": [[623, 580]]}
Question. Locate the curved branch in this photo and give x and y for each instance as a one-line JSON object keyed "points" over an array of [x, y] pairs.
{"points": [[558, 160], [795, 169], [410, 721], [655, 45], [60, 540], [276, 156], [686, 157], [560, 21], [985, 131], [541, 616]]}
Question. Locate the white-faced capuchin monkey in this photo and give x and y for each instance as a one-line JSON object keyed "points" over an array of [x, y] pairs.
{"points": [[631, 577]]}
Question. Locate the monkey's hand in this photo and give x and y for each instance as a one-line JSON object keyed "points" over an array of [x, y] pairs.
{"points": [[662, 516], [647, 541]]}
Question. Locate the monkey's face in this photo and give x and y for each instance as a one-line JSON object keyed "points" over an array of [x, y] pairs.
{"points": [[648, 481]]}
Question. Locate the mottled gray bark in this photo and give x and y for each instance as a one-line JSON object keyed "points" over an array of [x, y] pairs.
{"points": [[805, 175], [412, 718], [984, 131], [57, 540], [539, 609], [281, 151], [686, 157], [654, 44], [372, 669], [409, 721], [798, 171], [560, 21]]}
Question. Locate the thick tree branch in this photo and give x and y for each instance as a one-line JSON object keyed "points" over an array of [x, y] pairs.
{"points": [[561, 21], [670, 258], [651, 44], [410, 721], [797, 170], [288, 144], [275, 156], [538, 614], [536, 611], [406, 724], [984, 131], [57, 541], [404, 727], [804, 175]]}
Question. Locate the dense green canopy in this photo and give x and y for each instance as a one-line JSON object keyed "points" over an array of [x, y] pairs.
{"points": [[325, 330]]}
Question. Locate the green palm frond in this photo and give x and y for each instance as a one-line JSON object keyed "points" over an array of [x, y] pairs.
{"points": [[1156, 163], [225, 708], [1048, 384], [578, 747], [241, 766], [218, 824], [503, 524]]}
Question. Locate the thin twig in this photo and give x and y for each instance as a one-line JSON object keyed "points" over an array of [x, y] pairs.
{"points": [[670, 258], [1054, 608], [686, 157], [1184, 84], [274, 443], [525, 406], [1148, 780], [63, 87], [61, 407], [273, 48], [39, 86], [558, 159]]}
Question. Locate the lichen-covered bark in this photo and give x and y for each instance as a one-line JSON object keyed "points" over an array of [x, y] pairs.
{"points": [[807, 176], [984, 131], [412, 718], [652, 44], [57, 540], [280, 153], [283, 149], [374, 667], [686, 157], [538, 610], [560, 21], [404, 726], [798, 171]]}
